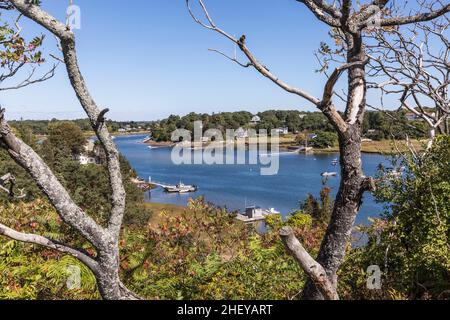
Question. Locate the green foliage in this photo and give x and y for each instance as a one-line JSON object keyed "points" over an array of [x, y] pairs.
{"points": [[411, 241], [23, 179], [392, 124], [324, 140], [88, 184], [34, 272], [16, 53], [299, 219], [205, 254], [14, 50], [66, 137], [319, 209]]}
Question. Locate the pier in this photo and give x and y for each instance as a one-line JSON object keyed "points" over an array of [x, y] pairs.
{"points": [[179, 188]]}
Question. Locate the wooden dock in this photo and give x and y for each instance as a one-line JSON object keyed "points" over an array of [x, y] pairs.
{"points": [[255, 214]]}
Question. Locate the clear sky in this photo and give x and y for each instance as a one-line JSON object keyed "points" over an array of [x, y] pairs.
{"points": [[147, 59]]}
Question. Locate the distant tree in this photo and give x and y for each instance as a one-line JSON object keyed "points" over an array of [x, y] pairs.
{"points": [[319, 209], [316, 121], [324, 140], [66, 136]]}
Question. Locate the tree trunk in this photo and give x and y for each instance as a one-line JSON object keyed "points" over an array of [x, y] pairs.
{"points": [[348, 201], [108, 280], [351, 189]]}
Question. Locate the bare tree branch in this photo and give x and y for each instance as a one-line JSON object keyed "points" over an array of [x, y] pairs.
{"points": [[323, 11], [329, 87], [246, 65], [420, 17], [414, 65], [43, 241], [29, 80], [311, 267], [9, 178]]}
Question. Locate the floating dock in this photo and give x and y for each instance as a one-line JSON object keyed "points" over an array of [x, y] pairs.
{"points": [[255, 214]]}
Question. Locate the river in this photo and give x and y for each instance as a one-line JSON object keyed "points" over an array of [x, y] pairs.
{"points": [[235, 186]]}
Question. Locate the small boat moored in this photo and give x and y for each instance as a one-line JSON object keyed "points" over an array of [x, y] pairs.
{"points": [[328, 174], [180, 188]]}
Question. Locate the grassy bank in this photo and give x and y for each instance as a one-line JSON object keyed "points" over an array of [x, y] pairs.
{"points": [[381, 147], [158, 208]]}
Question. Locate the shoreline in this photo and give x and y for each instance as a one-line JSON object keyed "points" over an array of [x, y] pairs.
{"points": [[384, 147]]}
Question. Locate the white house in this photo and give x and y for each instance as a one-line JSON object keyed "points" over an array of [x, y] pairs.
{"points": [[255, 120], [85, 160], [282, 130]]}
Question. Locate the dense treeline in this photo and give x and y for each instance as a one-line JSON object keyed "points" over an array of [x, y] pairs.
{"points": [[377, 125], [41, 127]]}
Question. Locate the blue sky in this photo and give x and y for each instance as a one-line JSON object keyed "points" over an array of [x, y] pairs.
{"points": [[147, 59]]}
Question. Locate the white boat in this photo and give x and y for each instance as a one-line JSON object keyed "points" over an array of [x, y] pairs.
{"points": [[180, 188], [147, 139], [329, 174]]}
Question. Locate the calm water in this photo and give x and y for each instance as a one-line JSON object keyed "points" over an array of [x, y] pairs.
{"points": [[234, 186]]}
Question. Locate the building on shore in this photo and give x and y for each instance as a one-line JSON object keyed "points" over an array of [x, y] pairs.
{"points": [[254, 214], [284, 130], [255, 120], [93, 154]]}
